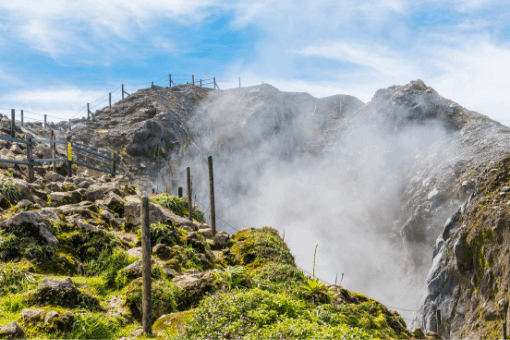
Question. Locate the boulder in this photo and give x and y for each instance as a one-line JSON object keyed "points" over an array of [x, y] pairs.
{"points": [[164, 252], [135, 252], [207, 232], [98, 191], [51, 176], [106, 215], [16, 149], [135, 269], [42, 151], [32, 315], [24, 204], [61, 292], [157, 213], [64, 198], [12, 331], [56, 322], [117, 222], [221, 238], [192, 286], [33, 221]]}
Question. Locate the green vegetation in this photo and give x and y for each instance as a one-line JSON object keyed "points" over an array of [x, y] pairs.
{"points": [[9, 191], [253, 288], [179, 205]]}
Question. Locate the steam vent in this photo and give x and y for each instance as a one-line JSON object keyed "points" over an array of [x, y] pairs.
{"points": [[407, 195]]}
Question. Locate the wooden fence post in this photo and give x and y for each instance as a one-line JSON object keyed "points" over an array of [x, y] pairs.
{"points": [[122, 91], [88, 111], [190, 207], [211, 188], [45, 122], [30, 159], [114, 163], [22, 124], [110, 102], [179, 192], [13, 123], [53, 150], [504, 330], [152, 85], [69, 160], [193, 79], [146, 266], [70, 126], [438, 320], [170, 81]]}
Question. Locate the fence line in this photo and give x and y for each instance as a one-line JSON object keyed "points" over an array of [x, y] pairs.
{"points": [[30, 162]]}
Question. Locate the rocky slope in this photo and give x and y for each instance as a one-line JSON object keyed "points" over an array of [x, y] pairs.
{"points": [[70, 268], [423, 152]]}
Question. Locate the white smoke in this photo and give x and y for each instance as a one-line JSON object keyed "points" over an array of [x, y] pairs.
{"points": [[344, 195]]}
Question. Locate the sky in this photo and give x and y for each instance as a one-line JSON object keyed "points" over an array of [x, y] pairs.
{"points": [[56, 56]]}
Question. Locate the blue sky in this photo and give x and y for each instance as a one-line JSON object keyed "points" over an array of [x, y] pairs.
{"points": [[55, 56]]}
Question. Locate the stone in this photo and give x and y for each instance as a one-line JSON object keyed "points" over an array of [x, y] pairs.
{"points": [[188, 283], [50, 315], [24, 204], [61, 292], [51, 176], [16, 149], [137, 332], [433, 335], [83, 184], [164, 252], [221, 238], [32, 315], [106, 215], [135, 268], [117, 222], [12, 331], [42, 151], [202, 257], [30, 220], [157, 213], [505, 189], [135, 252], [207, 232], [63, 198], [418, 333]]}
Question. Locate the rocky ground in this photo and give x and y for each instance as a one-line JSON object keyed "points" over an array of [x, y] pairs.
{"points": [[70, 268]]}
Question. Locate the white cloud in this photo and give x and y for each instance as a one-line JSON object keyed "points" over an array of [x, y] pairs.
{"points": [[62, 103]]}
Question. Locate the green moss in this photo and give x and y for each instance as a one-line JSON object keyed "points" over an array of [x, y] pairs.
{"points": [[179, 205], [69, 187], [172, 322]]}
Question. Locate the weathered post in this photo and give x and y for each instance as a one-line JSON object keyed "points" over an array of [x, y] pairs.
{"points": [[45, 121], [146, 266], [70, 125], [22, 124], [13, 123], [200, 82], [110, 102], [179, 192], [190, 207], [153, 190], [69, 160], [152, 85], [53, 150], [170, 81], [30, 159], [88, 111], [114, 164], [211, 189], [438, 319], [214, 79], [193, 79], [504, 330], [122, 91]]}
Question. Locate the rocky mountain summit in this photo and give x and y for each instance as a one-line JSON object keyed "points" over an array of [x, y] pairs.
{"points": [[431, 168]]}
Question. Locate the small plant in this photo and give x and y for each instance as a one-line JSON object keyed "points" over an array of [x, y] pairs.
{"points": [[232, 276], [23, 136], [9, 174], [314, 288], [9, 190]]}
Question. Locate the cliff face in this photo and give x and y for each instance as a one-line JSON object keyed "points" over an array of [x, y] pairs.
{"points": [[469, 278]]}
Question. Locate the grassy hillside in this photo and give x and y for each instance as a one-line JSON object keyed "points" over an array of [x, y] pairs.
{"points": [[244, 285]]}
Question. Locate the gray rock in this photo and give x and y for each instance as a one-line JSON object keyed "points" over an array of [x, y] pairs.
{"points": [[57, 283], [137, 332], [16, 149], [12, 331], [50, 315], [135, 252], [156, 213], [33, 221], [164, 252], [51, 176], [207, 232], [105, 214], [221, 238], [32, 315], [24, 204]]}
